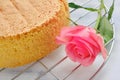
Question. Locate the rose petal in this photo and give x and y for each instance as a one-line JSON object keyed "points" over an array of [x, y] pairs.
{"points": [[103, 49], [70, 53], [88, 61], [66, 34], [99, 40]]}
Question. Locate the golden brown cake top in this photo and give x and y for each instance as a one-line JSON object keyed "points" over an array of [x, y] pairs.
{"points": [[18, 16]]}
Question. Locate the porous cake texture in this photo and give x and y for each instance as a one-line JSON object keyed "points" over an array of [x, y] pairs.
{"points": [[28, 29]]}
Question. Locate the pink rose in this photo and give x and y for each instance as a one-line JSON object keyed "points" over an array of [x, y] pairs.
{"points": [[82, 44]]}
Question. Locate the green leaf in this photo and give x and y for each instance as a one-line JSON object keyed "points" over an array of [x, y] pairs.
{"points": [[110, 12], [75, 6], [106, 29]]}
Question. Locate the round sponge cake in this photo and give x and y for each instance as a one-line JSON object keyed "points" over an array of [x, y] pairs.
{"points": [[28, 29]]}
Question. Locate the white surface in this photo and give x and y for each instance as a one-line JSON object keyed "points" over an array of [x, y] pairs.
{"points": [[58, 67]]}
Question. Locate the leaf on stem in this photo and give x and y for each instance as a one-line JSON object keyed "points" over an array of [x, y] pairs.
{"points": [[75, 6], [106, 29], [110, 12]]}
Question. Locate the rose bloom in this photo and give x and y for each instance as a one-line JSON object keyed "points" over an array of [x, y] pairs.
{"points": [[82, 43]]}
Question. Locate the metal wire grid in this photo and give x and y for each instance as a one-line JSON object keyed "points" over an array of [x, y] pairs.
{"points": [[49, 68]]}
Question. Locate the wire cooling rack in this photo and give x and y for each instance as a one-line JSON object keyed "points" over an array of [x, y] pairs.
{"points": [[56, 66]]}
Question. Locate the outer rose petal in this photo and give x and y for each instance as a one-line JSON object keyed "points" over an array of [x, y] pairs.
{"points": [[60, 40], [103, 49], [67, 33], [72, 30], [100, 42]]}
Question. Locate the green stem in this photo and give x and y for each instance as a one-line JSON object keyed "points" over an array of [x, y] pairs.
{"points": [[98, 20], [102, 6], [73, 22]]}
